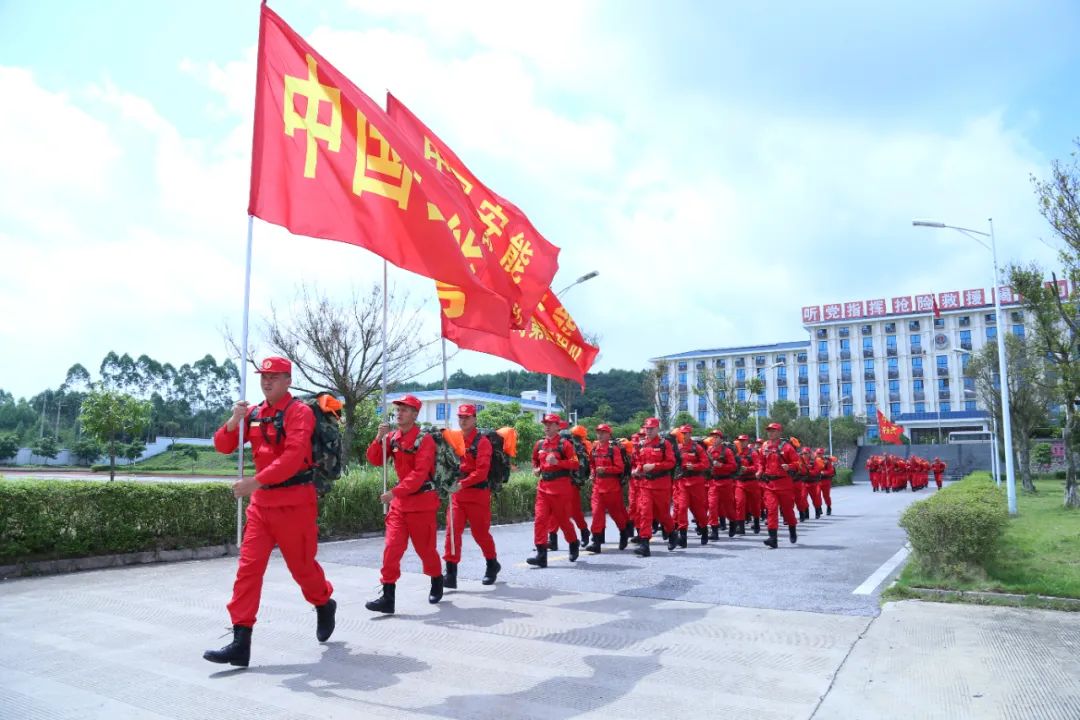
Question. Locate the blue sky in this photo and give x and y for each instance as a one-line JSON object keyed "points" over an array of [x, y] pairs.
{"points": [[720, 164]]}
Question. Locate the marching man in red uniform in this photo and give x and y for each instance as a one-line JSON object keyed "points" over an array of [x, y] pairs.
{"points": [[414, 502], [692, 495], [939, 469], [607, 468], [778, 459], [655, 461], [721, 485], [471, 501], [553, 460], [828, 472], [747, 488], [283, 510]]}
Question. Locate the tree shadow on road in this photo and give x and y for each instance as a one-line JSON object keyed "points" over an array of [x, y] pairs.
{"points": [[449, 615]]}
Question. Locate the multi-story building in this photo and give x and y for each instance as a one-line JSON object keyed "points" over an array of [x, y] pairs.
{"points": [[906, 358]]}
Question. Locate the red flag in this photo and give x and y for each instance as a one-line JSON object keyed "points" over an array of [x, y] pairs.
{"points": [[327, 162], [889, 431], [552, 343], [519, 261], [937, 310]]}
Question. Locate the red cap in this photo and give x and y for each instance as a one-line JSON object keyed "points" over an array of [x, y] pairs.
{"points": [[464, 410], [552, 418], [409, 401], [275, 365], [651, 423], [759, 441], [743, 438], [820, 451], [603, 427], [774, 426], [563, 424], [716, 432], [686, 429]]}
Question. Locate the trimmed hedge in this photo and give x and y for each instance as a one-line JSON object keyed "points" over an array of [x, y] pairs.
{"points": [[955, 530], [843, 477]]}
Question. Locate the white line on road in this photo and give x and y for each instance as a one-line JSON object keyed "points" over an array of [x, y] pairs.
{"points": [[871, 583]]}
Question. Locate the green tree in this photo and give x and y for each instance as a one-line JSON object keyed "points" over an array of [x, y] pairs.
{"points": [[192, 454], [497, 415], [132, 450], [45, 447], [1043, 455], [685, 418], [86, 450], [783, 412], [110, 417], [9, 445]]}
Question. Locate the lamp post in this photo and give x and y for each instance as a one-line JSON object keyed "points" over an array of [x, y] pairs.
{"points": [[1010, 474], [583, 278]]}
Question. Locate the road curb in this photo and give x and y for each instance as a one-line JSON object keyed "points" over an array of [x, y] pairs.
{"points": [[99, 562], [929, 593]]}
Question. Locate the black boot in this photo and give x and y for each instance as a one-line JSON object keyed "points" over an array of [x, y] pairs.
{"points": [[771, 540], [721, 526], [325, 626], [664, 533], [757, 527], [575, 547], [643, 550], [828, 509], [682, 538], [733, 527], [585, 535], [540, 559], [625, 535], [449, 580], [553, 541], [491, 572], [598, 539], [792, 535], [237, 653], [385, 602], [817, 511], [714, 531], [748, 517], [704, 533], [656, 526], [436, 590], [673, 539]]}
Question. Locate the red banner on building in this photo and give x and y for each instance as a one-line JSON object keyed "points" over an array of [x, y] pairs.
{"points": [[328, 162], [552, 343], [519, 261]]}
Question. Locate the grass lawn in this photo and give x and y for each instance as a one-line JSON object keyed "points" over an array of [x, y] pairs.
{"points": [[208, 462], [1040, 552]]}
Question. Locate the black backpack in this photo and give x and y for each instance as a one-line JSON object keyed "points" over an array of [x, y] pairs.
{"points": [[738, 458], [326, 452], [579, 476], [678, 471], [499, 473], [626, 460]]}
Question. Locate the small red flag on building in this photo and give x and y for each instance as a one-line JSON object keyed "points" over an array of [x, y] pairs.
{"points": [[328, 162], [888, 431], [937, 310]]}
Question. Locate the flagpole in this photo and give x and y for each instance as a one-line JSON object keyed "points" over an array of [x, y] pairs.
{"points": [[243, 377], [446, 419], [386, 405]]}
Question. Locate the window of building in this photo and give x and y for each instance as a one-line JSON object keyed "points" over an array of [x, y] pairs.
{"points": [[916, 343], [721, 363], [823, 368], [1018, 331], [920, 407], [804, 370], [890, 327], [845, 389], [684, 405], [894, 409], [965, 360], [871, 413], [759, 359], [913, 326], [917, 385], [871, 430], [894, 386], [825, 390], [943, 361], [845, 344], [762, 411], [939, 323], [868, 344], [682, 366], [823, 346], [701, 417], [871, 386], [946, 407], [990, 319], [890, 342], [822, 333], [848, 410], [991, 334], [969, 405], [801, 357], [781, 358], [702, 402], [845, 366], [682, 378], [441, 411], [1017, 316], [965, 321], [844, 332], [894, 363], [943, 384], [965, 339], [823, 410], [868, 365], [916, 362], [781, 393], [804, 392], [700, 365], [867, 329], [741, 394], [740, 362], [740, 376], [479, 407], [804, 411]]}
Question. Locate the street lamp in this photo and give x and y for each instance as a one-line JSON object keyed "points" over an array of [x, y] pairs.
{"points": [[1010, 474], [583, 278], [995, 468]]}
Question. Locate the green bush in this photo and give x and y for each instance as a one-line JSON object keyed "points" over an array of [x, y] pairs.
{"points": [[843, 477], [955, 530], [49, 519]]}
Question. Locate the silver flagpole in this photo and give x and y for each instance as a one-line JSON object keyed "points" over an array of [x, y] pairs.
{"points": [[446, 404], [386, 405], [243, 377]]}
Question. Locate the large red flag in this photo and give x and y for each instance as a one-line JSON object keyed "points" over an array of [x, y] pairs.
{"points": [[329, 163], [552, 343], [520, 262], [890, 432]]}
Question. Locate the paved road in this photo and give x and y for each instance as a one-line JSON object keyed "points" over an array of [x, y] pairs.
{"points": [[728, 631]]}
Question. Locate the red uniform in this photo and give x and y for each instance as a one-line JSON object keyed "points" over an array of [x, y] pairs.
{"points": [[654, 494], [939, 469], [799, 484], [690, 492], [607, 498], [284, 516], [414, 505], [813, 482], [748, 493], [722, 484], [472, 503], [873, 469], [828, 472], [779, 488], [554, 491]]}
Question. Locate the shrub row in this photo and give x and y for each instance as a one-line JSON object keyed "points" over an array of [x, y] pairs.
{"points": [[955, 530], [843, 477]]}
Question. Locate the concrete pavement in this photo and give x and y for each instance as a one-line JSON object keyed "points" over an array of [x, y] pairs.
{"points": [[734, 630]]}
